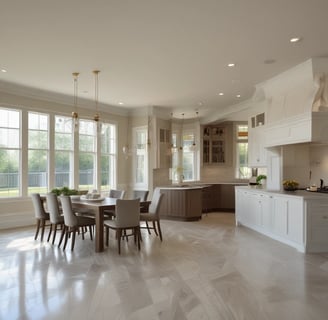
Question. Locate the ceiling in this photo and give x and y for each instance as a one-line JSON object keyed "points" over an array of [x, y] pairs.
{"points": [[166, 53]]}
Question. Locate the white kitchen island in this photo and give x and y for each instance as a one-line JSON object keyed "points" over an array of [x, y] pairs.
{"points": [[299, 219]]}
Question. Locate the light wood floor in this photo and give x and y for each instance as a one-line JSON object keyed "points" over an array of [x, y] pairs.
{"points": [[202, 270]]}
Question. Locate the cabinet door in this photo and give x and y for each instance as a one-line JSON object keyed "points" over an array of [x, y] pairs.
{"points": [[280, 216], [256, 150], [295, 222], [288, 218], [266, 212]]}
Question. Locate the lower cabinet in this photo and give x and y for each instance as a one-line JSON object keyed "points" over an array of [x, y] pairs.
{"points": [[277, 216], [317, 226]]}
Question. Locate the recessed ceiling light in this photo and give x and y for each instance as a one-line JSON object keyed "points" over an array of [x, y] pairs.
{"points": [[221, 94], [3, 70], [231, 65], [121, 103], [238, 95], [295, 39]]}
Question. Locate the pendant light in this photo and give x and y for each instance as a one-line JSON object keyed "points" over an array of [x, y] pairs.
{"points": [[181, 142], [75, 115], [193, 147], [96, 117], [127, 151]]}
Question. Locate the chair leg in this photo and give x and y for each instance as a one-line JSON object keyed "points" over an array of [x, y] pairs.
{"points": [[138, 233], [38, 222], [159, 230], [90, 230], [67, 231], [54, 236], [43, 226], [73, 239], [50, 231], [154, 226], [148, 227], [119, 236], [62, 236]]}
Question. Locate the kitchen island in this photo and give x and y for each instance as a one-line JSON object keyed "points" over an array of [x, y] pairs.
{"points": [[181, 203], [298, 219]]}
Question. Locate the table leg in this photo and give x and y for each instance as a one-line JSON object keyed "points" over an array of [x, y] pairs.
{"points": [[99, 238]]}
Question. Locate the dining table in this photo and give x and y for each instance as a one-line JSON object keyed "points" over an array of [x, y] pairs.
{"points": [[97, 207]]}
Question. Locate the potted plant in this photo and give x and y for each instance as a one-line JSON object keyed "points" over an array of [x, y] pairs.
{"points": [[65, 191], [261, 179]]}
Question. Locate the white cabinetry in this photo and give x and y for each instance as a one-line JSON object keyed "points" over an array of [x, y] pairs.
{"points": [[280, 217], [256, 150], [317, 226], [288, 219], [253, 209]]}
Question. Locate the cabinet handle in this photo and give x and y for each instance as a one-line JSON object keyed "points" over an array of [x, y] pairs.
{"points": [[324, 217]]}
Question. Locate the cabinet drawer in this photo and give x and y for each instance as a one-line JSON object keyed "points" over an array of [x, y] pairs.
{"points": [[319, 220]]}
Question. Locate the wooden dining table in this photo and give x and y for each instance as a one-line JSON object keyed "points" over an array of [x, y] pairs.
{"points": [[97, 207]]}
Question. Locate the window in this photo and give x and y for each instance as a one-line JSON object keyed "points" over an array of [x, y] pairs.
{"points": [[87, 154], [140, 161], [184, 158], [10, 151], [188, 157], [108, 157], [242, 170], [64, 155], [38, 152]]}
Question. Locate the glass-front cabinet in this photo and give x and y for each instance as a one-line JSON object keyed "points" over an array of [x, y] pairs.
{"points": [[214, 145]]}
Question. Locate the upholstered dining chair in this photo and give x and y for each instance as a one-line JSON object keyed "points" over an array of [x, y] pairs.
{"points": [[56, 219], [117, 194], [153, 214], [127, 217], [74, 223], [142, 195], [41, 215]]}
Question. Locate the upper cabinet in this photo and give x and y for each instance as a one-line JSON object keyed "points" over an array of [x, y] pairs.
{"points": [[214, 145], [256, 141], [217, 144]]}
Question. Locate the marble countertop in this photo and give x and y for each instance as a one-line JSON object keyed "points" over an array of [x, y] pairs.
{"points": [[307, 195]]}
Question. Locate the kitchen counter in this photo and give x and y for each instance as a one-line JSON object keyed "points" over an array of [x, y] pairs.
{"points": [[298, 193], [296, 218]]}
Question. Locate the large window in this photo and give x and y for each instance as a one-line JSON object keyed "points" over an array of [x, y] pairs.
{"points": [[141, 163], [87, 154], [184, 157], [64, 155], [10, 150], [242, 170], [108, 156], [38, 152]]}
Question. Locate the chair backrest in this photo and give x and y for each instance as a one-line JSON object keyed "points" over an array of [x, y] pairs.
{"points": [[140, 194], [118, 194], [155, 201], [69, 217], [127, 213], [53, 207], [39, 211]]}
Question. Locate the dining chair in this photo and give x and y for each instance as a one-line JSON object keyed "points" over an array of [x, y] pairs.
{"points": [[117, 194], [56, 219], [127, 217], [74, 223], [142, 195], [40, 214], [153, 214]]}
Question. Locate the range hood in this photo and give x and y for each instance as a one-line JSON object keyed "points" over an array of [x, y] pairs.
{"points": [[296, 104]]}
